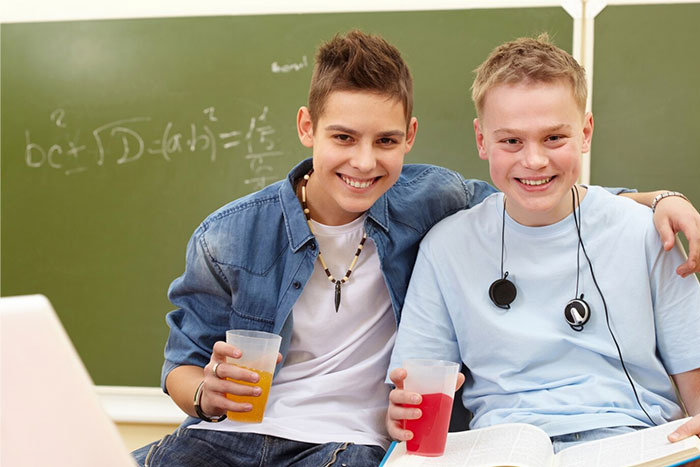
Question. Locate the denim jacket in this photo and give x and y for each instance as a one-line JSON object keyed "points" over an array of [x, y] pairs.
{"points": [[248, 262]]}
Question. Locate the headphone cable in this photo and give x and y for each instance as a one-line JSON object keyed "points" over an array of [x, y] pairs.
{"points": [[605, 305]]}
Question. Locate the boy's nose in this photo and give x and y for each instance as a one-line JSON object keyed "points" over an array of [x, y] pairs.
{"points": [[534, 158], [363, 158]]}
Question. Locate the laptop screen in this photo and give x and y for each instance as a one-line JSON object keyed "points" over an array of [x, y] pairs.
{"points": [[50, 412]]}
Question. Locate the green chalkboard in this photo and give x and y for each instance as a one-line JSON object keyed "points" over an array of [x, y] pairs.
{"points": [[646, 98], [120, 136]]}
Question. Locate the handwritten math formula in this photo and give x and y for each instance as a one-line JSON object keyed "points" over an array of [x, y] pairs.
{"points": [[127, 141]]}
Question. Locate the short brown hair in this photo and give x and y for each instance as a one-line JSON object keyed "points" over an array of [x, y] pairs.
{"points": [[359, 62], [528, 60]]}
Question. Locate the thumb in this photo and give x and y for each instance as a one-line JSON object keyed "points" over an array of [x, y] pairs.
{"points": [[668, 236], [460, 380], [397, 376], [686, 430]]}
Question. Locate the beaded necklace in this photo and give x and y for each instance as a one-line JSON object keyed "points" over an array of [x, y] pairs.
{"points": [[333, 280]]}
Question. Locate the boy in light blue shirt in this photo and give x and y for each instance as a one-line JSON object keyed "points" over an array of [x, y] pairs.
{"points": [[574, 318], [280, 260]]}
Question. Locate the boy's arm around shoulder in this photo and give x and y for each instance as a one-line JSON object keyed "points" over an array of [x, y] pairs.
{"points": [[477, 191], [438, 189], [673, 214]]}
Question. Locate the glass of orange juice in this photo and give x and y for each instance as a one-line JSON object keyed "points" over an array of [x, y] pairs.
{"points": [[259, 354]]}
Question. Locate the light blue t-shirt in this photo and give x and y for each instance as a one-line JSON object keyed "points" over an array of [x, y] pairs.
{"points": [[526, 364]]}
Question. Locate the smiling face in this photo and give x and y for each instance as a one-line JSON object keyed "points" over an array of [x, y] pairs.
{"points": [[533, 135], [359, 143]]}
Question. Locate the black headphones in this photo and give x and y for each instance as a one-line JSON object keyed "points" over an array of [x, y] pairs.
{"points": [[577, 312], [502, 292]]}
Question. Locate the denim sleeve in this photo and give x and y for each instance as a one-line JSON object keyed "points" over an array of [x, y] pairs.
{"points": [[202, 296], [477, 191], [617, 191]]}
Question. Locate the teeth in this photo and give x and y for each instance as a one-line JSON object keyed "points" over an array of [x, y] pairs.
{"points": [[357, 183], [535, 182]]}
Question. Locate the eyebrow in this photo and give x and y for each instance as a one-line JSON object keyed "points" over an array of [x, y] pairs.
{"points": [[350, 131], [551, 129]]}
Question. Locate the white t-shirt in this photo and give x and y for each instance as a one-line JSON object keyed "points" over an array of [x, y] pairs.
{"points": [[331, 387]]}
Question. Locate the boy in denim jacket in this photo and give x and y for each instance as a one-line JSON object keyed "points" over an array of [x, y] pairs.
{"points": [[322, 258]]}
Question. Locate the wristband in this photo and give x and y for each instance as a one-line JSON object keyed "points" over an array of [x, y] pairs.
{"points": [[198, 409], [666, 194]]}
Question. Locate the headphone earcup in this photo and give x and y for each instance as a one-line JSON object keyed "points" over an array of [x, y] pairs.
{"points": [[502, 293], [577, 313]]}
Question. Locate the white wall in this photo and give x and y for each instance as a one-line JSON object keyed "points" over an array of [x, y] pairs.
{"points": [[61, 10]]}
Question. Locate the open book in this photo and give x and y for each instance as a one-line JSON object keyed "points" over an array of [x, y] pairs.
{"points": [[523, 445]]}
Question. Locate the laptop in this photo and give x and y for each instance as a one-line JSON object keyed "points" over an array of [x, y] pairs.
{"points": [[49, 411]]}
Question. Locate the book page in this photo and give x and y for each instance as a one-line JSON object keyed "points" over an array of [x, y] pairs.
{"points": [[514, 444], [635, 448]]}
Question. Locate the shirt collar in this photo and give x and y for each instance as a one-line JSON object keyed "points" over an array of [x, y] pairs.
{"points": [[298, 230], [379, 212]]}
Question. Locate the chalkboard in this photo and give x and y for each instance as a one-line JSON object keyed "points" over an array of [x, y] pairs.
{"points": [[120, 136], [646, 98]]}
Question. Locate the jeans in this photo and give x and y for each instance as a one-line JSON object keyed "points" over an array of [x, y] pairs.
{"points": [[209, 448], [565, 441]]}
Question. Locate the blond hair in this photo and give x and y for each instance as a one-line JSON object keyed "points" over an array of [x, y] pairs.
{"points": [[528, 60]]}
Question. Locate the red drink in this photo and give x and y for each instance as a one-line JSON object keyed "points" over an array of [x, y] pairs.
{"points": [[430, 431]]}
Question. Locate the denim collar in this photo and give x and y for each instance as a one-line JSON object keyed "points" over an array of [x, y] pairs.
{"points": [[298, 230]]}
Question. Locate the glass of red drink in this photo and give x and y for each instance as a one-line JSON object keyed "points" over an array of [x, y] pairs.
{"points": [[435, 381]]}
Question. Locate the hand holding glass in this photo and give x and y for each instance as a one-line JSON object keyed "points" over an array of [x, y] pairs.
{"points": [[259, 354], [435, 381]]}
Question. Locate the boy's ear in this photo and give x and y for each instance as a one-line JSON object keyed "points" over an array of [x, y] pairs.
{"points": [[411, 133], [587, 132], [480, 140], [305, 127]]}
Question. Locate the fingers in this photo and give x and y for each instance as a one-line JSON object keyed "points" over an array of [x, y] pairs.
{"points": [[397, 376], [460, 380], [220, 361], [396, 431], [222, 378], [668, 236], [691, 230], [666, 228], [676, 215], [213, 402], [215, 389], [692, 264], [223, 350], [689, 428], [402, 407], [688, 268]]}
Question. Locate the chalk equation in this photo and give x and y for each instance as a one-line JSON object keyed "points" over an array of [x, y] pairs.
{"points": [[123, 142]]}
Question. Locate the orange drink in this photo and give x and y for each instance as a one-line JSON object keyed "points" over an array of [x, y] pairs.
{"points": [[258, 402], [259, 352]]}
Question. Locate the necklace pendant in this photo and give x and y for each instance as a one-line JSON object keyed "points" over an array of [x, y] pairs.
{"points": [[337, 296]]}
